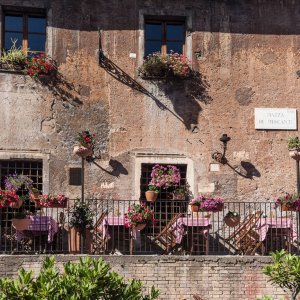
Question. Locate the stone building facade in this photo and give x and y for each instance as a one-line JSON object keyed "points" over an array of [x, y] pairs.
{"points": [[247, 55]]}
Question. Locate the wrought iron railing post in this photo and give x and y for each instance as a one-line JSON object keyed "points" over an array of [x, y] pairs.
{"points": [[82, 200]]}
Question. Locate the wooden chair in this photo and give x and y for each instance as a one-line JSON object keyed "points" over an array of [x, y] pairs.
{"points": [[99, 241], [245, 239], [167, 238]]}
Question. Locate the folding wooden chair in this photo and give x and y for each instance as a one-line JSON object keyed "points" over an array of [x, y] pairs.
{"points": [[245, 239], [167, 237], [99, 241]]}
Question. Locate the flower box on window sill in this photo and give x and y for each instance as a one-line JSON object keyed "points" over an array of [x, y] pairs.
{"points": [[12, 68], [163, 78]]}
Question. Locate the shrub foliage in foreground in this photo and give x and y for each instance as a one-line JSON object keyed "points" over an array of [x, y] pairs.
{"points": [[89, 279], [285, 272]]}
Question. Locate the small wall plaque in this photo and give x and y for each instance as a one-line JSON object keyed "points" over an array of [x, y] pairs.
{"points": [[276, 118]]}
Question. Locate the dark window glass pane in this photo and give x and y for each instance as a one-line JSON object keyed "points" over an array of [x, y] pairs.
{"points": [[36, 42], [36, 24], [14, 23], [175, 32], [153, 31], [151, 47], [11, 36], [174, 46]]}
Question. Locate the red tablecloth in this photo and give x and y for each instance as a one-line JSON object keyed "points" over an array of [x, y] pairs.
{"points": [[38, 224]]}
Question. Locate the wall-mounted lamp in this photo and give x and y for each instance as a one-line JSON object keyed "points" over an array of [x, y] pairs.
{"points": [[220, 157]]}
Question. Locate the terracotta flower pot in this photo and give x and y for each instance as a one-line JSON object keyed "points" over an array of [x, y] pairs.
{"points": [[17, 204], [232, 221], [151, 196], [139, 226], [82, 151], [57, 205], [195, 208], [20, 224], [287, 207], [75, 241], [295, 154]]}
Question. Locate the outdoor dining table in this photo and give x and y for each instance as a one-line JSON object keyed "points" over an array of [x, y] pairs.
{"points": [[193, 227], [37, 225], [110, 221], [279, 226]]}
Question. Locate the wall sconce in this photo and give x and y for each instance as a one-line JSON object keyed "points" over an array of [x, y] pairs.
{"points": [[218, 156]]}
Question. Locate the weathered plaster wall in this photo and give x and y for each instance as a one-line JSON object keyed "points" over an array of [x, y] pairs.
{"points": [[249, 58], [177, 278]]}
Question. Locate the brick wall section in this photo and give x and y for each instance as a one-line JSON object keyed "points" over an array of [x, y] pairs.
{"points": [[177, 277]]}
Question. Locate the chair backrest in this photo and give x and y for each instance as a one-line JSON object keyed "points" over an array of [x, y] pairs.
{"points": [[171, 223], [100, 220]]}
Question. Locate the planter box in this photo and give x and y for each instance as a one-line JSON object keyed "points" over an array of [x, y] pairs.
{"points": [[75, 241]]}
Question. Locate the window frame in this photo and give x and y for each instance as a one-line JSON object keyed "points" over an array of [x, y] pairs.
{"points": [[25, 13], [165, 20]]}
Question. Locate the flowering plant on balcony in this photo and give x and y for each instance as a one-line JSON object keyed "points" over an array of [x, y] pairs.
{"points": [[38, 65], [86, 139], [138, 214], [53, 201], [166, 65], [9, 198], [15, 181], [165, 176], [289, 202], [208, 203]]}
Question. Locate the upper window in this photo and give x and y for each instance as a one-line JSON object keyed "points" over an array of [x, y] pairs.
{"points": [[164, 36], [29, 30]]}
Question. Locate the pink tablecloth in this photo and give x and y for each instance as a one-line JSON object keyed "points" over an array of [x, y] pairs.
{"points": [[38, 224], [114, 221], [183, 224], [281, 224]]}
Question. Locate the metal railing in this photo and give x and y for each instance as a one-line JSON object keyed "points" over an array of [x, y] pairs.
{"points": [[259, 229]]}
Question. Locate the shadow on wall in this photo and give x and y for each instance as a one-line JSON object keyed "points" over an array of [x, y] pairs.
{"points": [[185, 96], [245, 169], [116, 168], [61, 88]]}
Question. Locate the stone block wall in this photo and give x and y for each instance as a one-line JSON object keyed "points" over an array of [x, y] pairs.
{"points": [[177, 277]]}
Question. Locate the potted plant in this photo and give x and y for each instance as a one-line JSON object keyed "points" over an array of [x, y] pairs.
{"points": [[209, 204], [152, 193], [195, 205], [81, 222], [86, 144], [232, 218], [39, 66], [294, 148], [166, 177], [138, 216], [14, 58], [181, 192], [172, 65], [288, 202], [53, 201], [20, 221]]}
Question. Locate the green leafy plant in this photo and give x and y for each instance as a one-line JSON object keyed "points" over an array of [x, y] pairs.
{"points": [[81, 215], [285, 272], [293, 143], [14, 56], [89, 279], [153, 188], [232, 214]]}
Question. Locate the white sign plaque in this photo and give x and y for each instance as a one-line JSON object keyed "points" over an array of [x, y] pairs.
{"points": [[276, 118]]}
